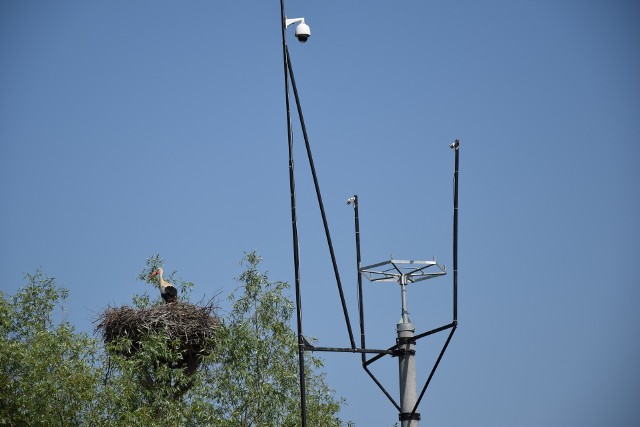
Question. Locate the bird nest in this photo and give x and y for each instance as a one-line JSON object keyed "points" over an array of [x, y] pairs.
{"points": [[193, 326]]}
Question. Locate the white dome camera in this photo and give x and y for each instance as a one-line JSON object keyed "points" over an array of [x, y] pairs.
{"points": [[303, 32]]}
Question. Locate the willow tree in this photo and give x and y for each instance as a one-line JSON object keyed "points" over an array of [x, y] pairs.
{"points": [[48, 371], [255, 381]]}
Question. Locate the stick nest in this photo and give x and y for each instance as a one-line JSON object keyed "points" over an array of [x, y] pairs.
{"points": [[193, 325]]}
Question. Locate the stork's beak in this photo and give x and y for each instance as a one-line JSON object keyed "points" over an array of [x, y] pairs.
{"points": [[152, 275]]}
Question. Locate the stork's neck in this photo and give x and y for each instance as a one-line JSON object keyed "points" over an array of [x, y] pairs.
{"points": [[161, 282]]}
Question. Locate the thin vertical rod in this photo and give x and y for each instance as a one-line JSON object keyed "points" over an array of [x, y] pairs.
{"points": [[294, 222], [359, 262], [403, 294], [320, 204], [456, 147]]}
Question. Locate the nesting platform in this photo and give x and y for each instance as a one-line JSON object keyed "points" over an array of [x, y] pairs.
{"points": [[193, 325]]}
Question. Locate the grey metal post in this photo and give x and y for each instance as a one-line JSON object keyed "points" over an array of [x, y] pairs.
{"points": [[404, 272], [407, 363]]}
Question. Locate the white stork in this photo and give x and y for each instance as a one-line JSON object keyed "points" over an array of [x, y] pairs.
{"points": [[168, 292]]}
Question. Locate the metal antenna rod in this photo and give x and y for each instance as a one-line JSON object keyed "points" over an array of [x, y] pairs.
{"points": [[454, 324], [294, 222], [456, 147], [356, 214]]}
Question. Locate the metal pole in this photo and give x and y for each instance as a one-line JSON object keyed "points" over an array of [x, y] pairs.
{"points": [[294, 222], [407, 364], [456, 147], [454, 324], [359, 262]]}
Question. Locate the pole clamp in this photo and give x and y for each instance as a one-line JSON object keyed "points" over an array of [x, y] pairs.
{"points": [[408, 416], [405, 341], [402, 352]]}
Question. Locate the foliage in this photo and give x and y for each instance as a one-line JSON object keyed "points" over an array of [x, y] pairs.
{"points": [[52, 375], [47, 370], [142, 390], [257, 375]]}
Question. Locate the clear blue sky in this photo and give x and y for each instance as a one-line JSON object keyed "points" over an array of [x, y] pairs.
{"points": [[134, 128]]}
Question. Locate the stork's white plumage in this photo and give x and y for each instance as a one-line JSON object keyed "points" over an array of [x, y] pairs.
{"points": [[168, 292]]}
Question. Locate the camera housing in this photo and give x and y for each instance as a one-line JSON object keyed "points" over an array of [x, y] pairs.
{"points": [[303, 32]]}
